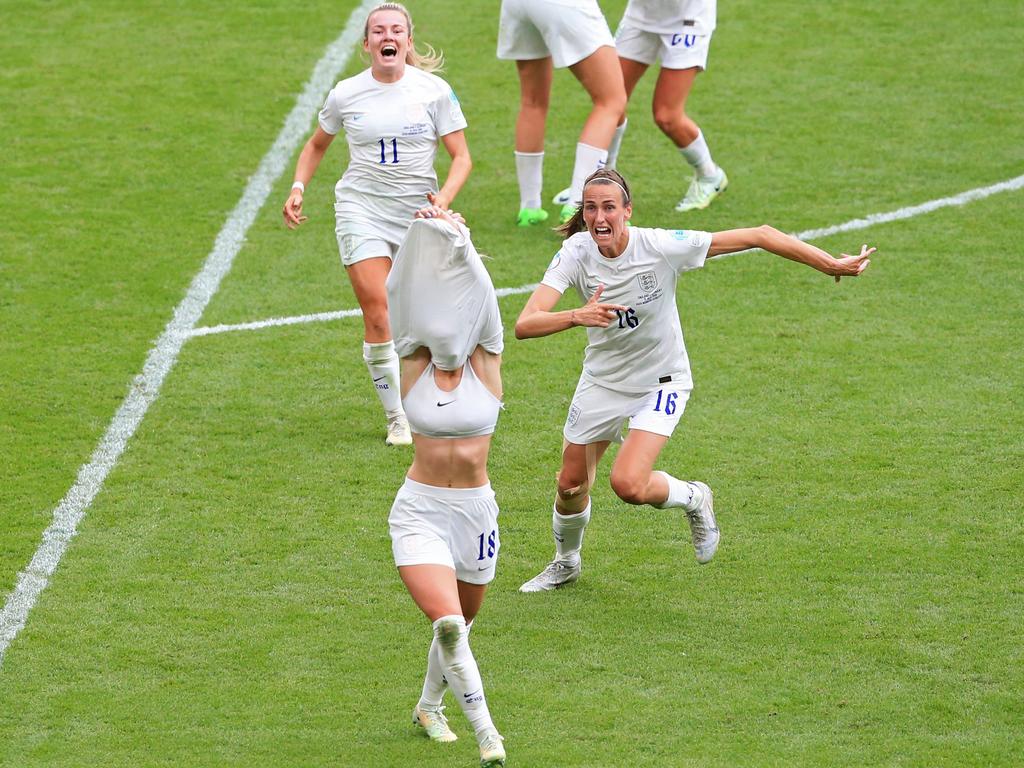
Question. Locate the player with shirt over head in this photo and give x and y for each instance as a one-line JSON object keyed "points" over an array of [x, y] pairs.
{"points": [[635, 366], [678, 34], [393, 114], [444, 522]]}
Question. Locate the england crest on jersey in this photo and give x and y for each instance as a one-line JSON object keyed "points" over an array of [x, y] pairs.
{"points": [[648, 281]]}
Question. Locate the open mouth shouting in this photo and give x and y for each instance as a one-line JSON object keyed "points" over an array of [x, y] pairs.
{"points": [[389, 51]]}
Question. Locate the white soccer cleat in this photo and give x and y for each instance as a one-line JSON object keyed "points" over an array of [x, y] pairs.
{"points": [[398, 431], [556, 575], [492, 751], [434, 723], [562, 198], [704, 527], [703, 189]]}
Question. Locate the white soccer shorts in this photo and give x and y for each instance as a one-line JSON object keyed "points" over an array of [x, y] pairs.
{"points": [[598, 413], [566, 30], [676, 50], [456, 527]]}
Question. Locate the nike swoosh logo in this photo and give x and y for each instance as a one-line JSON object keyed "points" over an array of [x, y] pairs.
{"points": [[442, 405], [379, 378], [486, 567]]}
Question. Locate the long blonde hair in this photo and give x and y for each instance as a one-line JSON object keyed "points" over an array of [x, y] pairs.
{"points": [[429, 61], [607, 176]]}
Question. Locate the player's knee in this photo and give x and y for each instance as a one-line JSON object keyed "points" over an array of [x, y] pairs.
{"points": [[612, 101], [573, 494], [668, 119], [375, 319], [629, 487], [449, 633]]}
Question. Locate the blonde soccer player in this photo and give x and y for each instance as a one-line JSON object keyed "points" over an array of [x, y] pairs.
{"points": [[635, 367], [677, 35], [444, 521], [540, 35], [394, 114]]}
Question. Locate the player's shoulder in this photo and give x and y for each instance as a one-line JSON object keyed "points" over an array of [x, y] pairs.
{"points": [[344, 89], [427, 80], [579, 244]]}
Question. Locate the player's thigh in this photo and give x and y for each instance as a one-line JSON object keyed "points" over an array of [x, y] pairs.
{"points": [[672, 88], [572, 29], [601, 76], [369, 278]]}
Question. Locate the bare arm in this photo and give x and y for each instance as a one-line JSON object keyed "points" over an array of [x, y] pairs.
{"points": [[772, 240], [537, 319], [488, 369], [309, 161], [412, 367], [458, 149]]}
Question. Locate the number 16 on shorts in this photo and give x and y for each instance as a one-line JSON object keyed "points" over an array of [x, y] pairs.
{"points": [[661, 411]]}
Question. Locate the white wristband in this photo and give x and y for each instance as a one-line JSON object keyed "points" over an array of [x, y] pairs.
{"points": [[299, 186]]}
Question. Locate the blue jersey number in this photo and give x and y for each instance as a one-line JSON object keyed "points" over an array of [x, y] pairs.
{"points": [[490, 544], [670, 402], [394, 151]]}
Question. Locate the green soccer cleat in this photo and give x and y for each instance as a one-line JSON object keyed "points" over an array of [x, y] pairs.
{"points": [[529, 217], [434, 724], [703, 189], [568, 211]]}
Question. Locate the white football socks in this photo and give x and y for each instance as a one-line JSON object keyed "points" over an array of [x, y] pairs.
{"points": [[588, 160], [530, 172], [382, 363], [697, 154], [568, 531], [681, 494], [434, 682], [613, 148], [462, 673]]}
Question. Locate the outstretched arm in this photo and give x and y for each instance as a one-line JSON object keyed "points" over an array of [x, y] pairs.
{"points": [[537, 319], [772, 240]]}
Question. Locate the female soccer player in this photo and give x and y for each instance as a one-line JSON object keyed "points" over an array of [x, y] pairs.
{"points": [[393, 115], [679, 34], [444, 522], [635, 366], [540, 35]]}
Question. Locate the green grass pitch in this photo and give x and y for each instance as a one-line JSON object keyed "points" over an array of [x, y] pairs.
{"points": [[230, 598]]}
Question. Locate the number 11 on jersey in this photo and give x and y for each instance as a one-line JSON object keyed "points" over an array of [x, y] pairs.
{"points": [[394, 151]]}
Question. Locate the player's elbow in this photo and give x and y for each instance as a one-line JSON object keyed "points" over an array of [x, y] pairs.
{"points": [[521, 332]]}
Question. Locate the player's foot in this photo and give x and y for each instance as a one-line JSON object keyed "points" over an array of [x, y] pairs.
{"points": [[434, 723], [703, 189], [557, 574], [703, 527], [398, 431], [492, 751], [563, 197], [529, 217], [568, 211]]}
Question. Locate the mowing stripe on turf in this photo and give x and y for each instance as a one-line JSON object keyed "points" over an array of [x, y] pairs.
{"points": [[811, 234], [161, 358]]}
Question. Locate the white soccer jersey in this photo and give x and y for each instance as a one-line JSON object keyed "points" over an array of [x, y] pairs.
{"points": [[441, 297], [643, 347], [689, 17], [392, 131]]}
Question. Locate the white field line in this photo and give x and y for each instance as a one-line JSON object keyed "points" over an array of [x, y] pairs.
{"points": [[811, 234], [161, 358]]}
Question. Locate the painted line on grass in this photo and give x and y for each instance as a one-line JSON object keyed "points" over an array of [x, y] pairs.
{"points": [[161, 358], [811, 234]]}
